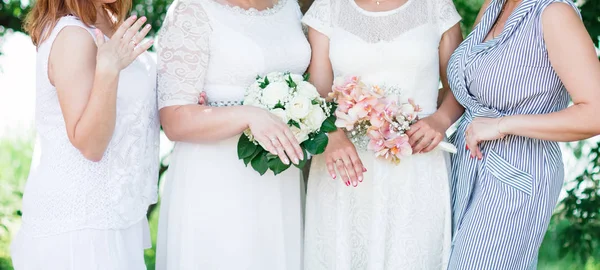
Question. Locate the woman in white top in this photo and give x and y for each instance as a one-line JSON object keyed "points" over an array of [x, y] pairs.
{"points": [[216, 213], [399, 217], [85, 202]]}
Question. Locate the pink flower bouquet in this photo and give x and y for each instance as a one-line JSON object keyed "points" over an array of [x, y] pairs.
{"points": [[375, 117]]}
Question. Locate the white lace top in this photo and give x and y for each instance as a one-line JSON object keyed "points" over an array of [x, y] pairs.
{"points": [[397, 47], [65, 191], [220, 49]]}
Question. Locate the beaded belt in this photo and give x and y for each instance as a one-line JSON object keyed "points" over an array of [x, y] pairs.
{"points": [[224, 103]]}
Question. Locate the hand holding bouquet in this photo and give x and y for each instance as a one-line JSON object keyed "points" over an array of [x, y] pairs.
{"points": [[376, 117], [298, 104]]}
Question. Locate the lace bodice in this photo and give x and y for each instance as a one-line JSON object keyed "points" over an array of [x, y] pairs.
{"points": [[397, 48], [220, 49], [67, 192]]}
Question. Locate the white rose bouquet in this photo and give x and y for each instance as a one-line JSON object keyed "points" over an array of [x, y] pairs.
{"points": [[296, 102]]}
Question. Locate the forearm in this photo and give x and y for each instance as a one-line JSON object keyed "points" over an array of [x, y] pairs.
{"points": [[577, 122], [449, 111], [94, 129], [197, 124]]}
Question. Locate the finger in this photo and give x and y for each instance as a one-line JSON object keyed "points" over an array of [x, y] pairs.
{"points": [[358, 167], [139, 37], [416, 137], [478, 153], [350, 170], [414, 128], [433, 144], [331, 168], [130, 33], [118, 35], [472, 144], [342, 171], [295, 144], [289, 147], [142, 48], [424, 142], [266, 144], [99, 38], [279, 148]]}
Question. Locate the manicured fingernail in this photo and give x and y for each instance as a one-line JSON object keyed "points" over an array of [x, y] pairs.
{"points": [[467, 147], [286, 161], [333, 176], [472, 156], [296, 161], [347, 184], [364, 169], [355, 184], [148, 26], [360, 178]]}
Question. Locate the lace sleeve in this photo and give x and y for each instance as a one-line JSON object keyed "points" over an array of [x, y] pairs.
{"points": [[445, 15], [183, 52], [318, 17]]}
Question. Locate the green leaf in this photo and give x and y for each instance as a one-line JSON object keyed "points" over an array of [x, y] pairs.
{"points": [[264, 84], [293, 123], [315, 102], [257, 152], [277, 166], [329, 124], [245, 147], [271, 156], [306, 76], [317, 144], [303, 161], [260, 163], [291, 82], [279, 106]]}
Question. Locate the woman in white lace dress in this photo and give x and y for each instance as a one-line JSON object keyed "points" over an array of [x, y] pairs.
{"points": [[391, 216], [96, 161], [216, 213]]}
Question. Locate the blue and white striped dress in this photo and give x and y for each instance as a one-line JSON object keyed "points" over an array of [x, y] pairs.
{"points": [[502, 204]]}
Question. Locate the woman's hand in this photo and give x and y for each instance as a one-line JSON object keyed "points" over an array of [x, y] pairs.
{"points": [[124, 46], [341, 154], [274, 135], [482, 129], [426, 134]]}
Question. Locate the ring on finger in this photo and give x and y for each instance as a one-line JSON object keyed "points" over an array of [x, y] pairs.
{"points": [[134, 43]]}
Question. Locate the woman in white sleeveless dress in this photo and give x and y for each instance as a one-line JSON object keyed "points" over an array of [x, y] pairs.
{"points": [[216, 213], [96, 171], [383, 216]]}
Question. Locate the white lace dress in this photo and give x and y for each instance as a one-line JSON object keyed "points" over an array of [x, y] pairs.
{"points": [[216, 213], [79, 214], [399, 216]]}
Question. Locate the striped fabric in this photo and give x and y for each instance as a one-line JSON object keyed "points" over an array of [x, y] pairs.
{"points": [[502, 204]]}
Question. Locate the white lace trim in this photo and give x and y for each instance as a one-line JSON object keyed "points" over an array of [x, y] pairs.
{"points": [[252, 11]]}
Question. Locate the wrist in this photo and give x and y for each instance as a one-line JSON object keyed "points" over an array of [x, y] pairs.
{"points": [[442, 119], [107, 71], [503, 127]]}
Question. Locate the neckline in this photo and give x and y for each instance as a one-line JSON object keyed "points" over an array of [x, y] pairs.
{"points": [[506, 26], [380, 13], [252, 11]]}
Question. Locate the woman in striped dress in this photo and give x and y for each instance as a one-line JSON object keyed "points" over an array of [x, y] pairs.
{"points": [[514, 74]]}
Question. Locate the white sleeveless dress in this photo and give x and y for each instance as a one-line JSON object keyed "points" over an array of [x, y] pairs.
{"points": [[215, 212], [399, 217], [79, 214]]}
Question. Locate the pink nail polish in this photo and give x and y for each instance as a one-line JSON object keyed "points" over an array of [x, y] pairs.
{"points": [[333, 176], [347, 184]]}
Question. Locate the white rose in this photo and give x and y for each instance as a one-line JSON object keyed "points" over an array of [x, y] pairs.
{"points": [[281, 114], [297, 78], [301, 134], [275, 92], [315, 118], [407, 108], [306, 89], [298, 108]]}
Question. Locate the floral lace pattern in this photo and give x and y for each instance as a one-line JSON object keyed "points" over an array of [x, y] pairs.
{"points": [[65, 191], [183, 54]]}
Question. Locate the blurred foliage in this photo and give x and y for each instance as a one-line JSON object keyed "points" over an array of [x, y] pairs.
{"points": [[15, 160]]}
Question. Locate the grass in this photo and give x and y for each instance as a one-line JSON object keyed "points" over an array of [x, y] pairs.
{"points": [[15, 160]]}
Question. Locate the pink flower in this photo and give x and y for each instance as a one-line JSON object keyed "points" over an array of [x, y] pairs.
{"points": [[346, 121]]}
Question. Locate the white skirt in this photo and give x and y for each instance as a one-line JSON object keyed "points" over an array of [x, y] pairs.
{"points": [[399, 217], [218, 214], [89, 249]]}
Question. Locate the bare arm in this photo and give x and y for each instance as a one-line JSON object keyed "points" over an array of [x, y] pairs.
{"points": [[427, 133], [485, 5], [340, 152], [321, 72], [572, 54], [88, 103]]}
